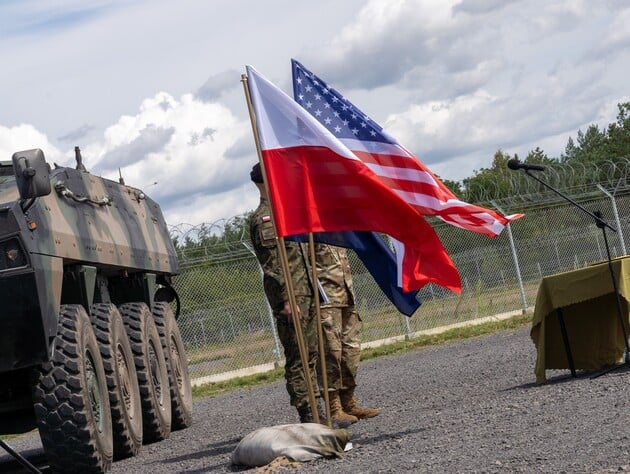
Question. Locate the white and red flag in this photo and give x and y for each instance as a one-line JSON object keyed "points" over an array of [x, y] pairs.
{"points": [[317, 184]]}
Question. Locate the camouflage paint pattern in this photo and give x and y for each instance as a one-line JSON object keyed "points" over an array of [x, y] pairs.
{"points": [[263, 237], [341, 325], [125, 236], [130, 232]]}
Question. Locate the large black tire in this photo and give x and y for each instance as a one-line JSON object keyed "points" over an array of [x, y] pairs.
{"points": [[122, 381], [179, 378], [155, 395], [71, 401]]}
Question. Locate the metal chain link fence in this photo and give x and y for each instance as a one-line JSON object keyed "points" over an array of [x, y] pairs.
{"points": [[227, 326]]}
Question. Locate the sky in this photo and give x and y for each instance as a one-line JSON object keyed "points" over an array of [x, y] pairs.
{"points": [[152, 89]]}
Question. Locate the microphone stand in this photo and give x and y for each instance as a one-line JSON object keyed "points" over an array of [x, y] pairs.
{"points": [[19, 458], [602, 224]]}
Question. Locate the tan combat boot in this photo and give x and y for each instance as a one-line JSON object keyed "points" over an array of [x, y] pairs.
{"points": [[351, 407], [339, 417]]}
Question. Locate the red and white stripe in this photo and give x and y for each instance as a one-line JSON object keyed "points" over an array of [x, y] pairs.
{"points": [[419, 187]]}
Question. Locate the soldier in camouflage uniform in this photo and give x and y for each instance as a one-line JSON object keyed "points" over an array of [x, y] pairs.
{"points": [[341, 331], [263, 237]]}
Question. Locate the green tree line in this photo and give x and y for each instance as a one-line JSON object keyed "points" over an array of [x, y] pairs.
{"points": [[592, 147]]}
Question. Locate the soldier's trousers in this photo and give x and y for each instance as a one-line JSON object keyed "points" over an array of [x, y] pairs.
{"points": [[293, 371], [341, 327]]}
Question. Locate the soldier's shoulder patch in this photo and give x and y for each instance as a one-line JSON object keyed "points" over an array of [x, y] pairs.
{"points": [[267, 230]]}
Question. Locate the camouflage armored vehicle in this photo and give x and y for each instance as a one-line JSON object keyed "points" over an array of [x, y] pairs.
{"points": [[90, 352]]}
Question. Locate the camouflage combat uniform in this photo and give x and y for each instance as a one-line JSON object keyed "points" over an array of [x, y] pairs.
{"points": [[340, 321], [263, 239]]}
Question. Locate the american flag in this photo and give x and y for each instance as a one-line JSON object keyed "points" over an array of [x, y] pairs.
{"points": [[389, 160]]}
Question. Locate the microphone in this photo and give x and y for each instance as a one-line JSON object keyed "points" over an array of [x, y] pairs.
{"points": [[514, 164]]}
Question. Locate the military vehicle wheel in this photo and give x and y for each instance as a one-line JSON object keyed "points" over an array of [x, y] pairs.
{"points": [[155, 396], [70, 399], [122, 381], [179, 378]]}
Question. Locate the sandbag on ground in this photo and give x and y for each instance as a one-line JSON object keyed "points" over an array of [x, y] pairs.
{"points": [[299, 442]]}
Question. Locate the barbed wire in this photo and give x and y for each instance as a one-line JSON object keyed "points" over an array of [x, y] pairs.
{"points": [[574, 178], [217, 251], [196, 232]]}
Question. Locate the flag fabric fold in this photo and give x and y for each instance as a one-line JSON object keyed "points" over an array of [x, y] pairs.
{"points": [[378, 259], [394, 166], [317, 184]]}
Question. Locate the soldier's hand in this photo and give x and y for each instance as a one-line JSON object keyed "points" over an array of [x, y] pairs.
{"points": [[288, 312]]}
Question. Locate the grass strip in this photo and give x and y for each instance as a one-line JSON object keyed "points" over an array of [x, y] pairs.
{"points": [[216, 388]]}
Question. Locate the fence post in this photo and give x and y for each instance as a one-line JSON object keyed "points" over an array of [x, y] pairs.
{"points": [[616, 213], [516, 264], [407, 328]]}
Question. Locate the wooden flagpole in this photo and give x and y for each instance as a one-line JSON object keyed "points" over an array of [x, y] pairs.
{"points": [[285, 264], [320, 335]]}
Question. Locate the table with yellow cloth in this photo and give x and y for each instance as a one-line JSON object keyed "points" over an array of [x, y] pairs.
{"points": [[588, 305]]}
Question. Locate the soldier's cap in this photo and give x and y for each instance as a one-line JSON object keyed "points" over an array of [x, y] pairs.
{"points": [[256, 174]]}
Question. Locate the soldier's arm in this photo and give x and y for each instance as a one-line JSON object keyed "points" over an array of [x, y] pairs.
{"points": [[266, 249]]}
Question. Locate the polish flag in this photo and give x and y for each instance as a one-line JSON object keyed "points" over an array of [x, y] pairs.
{"points": [[317, 184]]}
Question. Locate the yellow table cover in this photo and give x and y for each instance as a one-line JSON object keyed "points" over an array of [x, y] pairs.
{"points": [[586, 297]]}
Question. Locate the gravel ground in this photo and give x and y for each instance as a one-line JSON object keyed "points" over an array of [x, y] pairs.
{"points": [[467, 406]]}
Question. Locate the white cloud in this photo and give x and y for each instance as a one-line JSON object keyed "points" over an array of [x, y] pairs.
{"points": [[384, 41], [510, 75], [191, 156], [203, 208], [615, 40], [25, 137], [185, 146], [453, 80], [559, 15]]}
